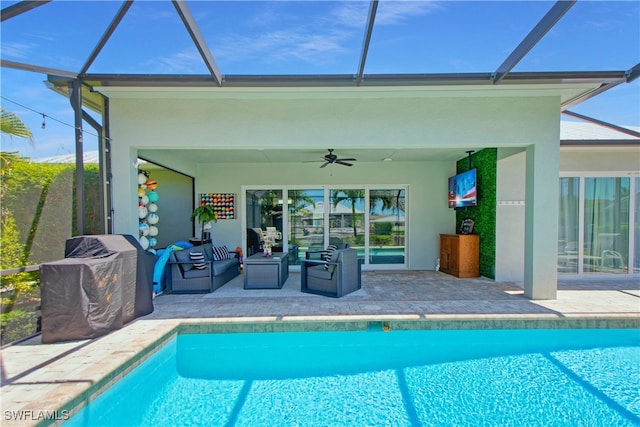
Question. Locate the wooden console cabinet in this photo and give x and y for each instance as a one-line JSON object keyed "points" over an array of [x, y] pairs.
{"points": [[460, 254]]}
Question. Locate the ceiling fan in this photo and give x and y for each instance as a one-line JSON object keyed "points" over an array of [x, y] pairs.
{"points": [[332, 158]]}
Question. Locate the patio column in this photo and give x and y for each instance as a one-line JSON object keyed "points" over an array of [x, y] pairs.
{"points": [[75, 95], [541, 221]]}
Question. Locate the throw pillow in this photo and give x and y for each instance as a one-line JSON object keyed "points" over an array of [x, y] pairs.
{"points": [[183, 257], [327, 255], [198, 259], [227, 254], [220, 253], [327, 252]]}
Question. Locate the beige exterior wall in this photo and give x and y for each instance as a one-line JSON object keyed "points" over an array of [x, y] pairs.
{"points": [[511, 189], [598, 159], [428, 214], [294, 119], [510, 218]]}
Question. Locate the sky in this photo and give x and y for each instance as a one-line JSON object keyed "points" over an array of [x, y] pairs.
{"points": [[307, 37]]}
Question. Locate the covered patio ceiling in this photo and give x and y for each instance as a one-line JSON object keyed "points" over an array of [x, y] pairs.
{"points": [[313, 156], [370, 70]]}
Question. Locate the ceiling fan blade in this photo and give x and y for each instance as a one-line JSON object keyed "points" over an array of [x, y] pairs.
{"points": [[331, 158], [341, 162]]}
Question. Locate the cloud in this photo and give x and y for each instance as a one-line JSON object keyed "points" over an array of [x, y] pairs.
{"points": [[153, 11], [17, 50], [185, 61], [282, 46], [389, 12], [276, 34], [350, 15], [395, 12], [280, 34]]}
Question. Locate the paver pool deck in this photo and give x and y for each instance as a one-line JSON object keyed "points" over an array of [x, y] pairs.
{"points": [[40, 379]]}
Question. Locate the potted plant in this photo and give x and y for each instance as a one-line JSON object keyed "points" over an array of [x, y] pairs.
{"points": [[204, 214]]}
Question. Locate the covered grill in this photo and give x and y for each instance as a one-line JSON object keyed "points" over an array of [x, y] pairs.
{"points": [[104, 282]]}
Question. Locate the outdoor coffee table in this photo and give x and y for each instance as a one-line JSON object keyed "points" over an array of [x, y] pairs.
{"points": [[261, 272]]}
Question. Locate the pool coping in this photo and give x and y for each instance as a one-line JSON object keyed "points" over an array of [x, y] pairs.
{"points": [[170, 329]]}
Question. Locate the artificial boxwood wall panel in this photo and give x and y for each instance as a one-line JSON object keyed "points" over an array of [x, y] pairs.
{"points": [[484, 215]]}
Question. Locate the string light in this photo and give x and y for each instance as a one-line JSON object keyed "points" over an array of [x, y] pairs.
{"points": [[45, 116]]}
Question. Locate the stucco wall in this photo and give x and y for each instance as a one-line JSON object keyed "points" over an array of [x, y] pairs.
{"points": [[617, 159], [510, 218], [295, 119], [253, 122], [511, 195], [428, 213], [174, 205]]}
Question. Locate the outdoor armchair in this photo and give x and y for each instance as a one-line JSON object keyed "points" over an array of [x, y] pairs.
{"points": [[323, 254], [335, 277]]}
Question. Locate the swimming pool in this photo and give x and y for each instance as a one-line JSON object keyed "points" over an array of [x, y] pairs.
{"points": [[566, 377]]}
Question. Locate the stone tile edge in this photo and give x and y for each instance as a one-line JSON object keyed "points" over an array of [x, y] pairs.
{"points": [[77, 403]]}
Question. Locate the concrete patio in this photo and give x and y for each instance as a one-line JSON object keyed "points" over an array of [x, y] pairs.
{"points": [[40, 382], [410, 293]]}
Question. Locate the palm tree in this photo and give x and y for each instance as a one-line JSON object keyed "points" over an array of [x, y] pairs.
{"points": [[300, 202], [270, 207], [352, 196], [11, 124]]}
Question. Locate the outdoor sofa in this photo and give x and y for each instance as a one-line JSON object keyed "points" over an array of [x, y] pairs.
{"points": [[201, 269]]}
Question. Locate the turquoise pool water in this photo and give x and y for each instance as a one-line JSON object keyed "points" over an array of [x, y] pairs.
{"points": [[581, 377]]}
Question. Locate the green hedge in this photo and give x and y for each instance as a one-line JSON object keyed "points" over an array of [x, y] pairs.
{"points": [[37, 216], [38, 209], [484, 215]]}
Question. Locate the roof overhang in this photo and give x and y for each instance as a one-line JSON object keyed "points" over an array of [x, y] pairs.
{"points": [[90, 99], [349, 80], [568, 86]]}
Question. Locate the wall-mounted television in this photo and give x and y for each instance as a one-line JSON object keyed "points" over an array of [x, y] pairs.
{"points": [[463, 190]]}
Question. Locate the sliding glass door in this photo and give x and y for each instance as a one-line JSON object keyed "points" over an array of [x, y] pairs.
{"points": [[264, 219], [636, 226], [606, 225], [596, 234], [346, 218], [370, 220], [306, 221], [569, 225], [387, 226]]}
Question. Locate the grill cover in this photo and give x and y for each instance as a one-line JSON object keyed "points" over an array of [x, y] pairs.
{"points": [[104, 282]]}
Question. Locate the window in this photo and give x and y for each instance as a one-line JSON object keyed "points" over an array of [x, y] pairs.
{"points": [[568, 227], [263, 214], [606, 225], [370, 220], [306, 221], [595, 233], [346, 218], [636, 226], [387, 226]]}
